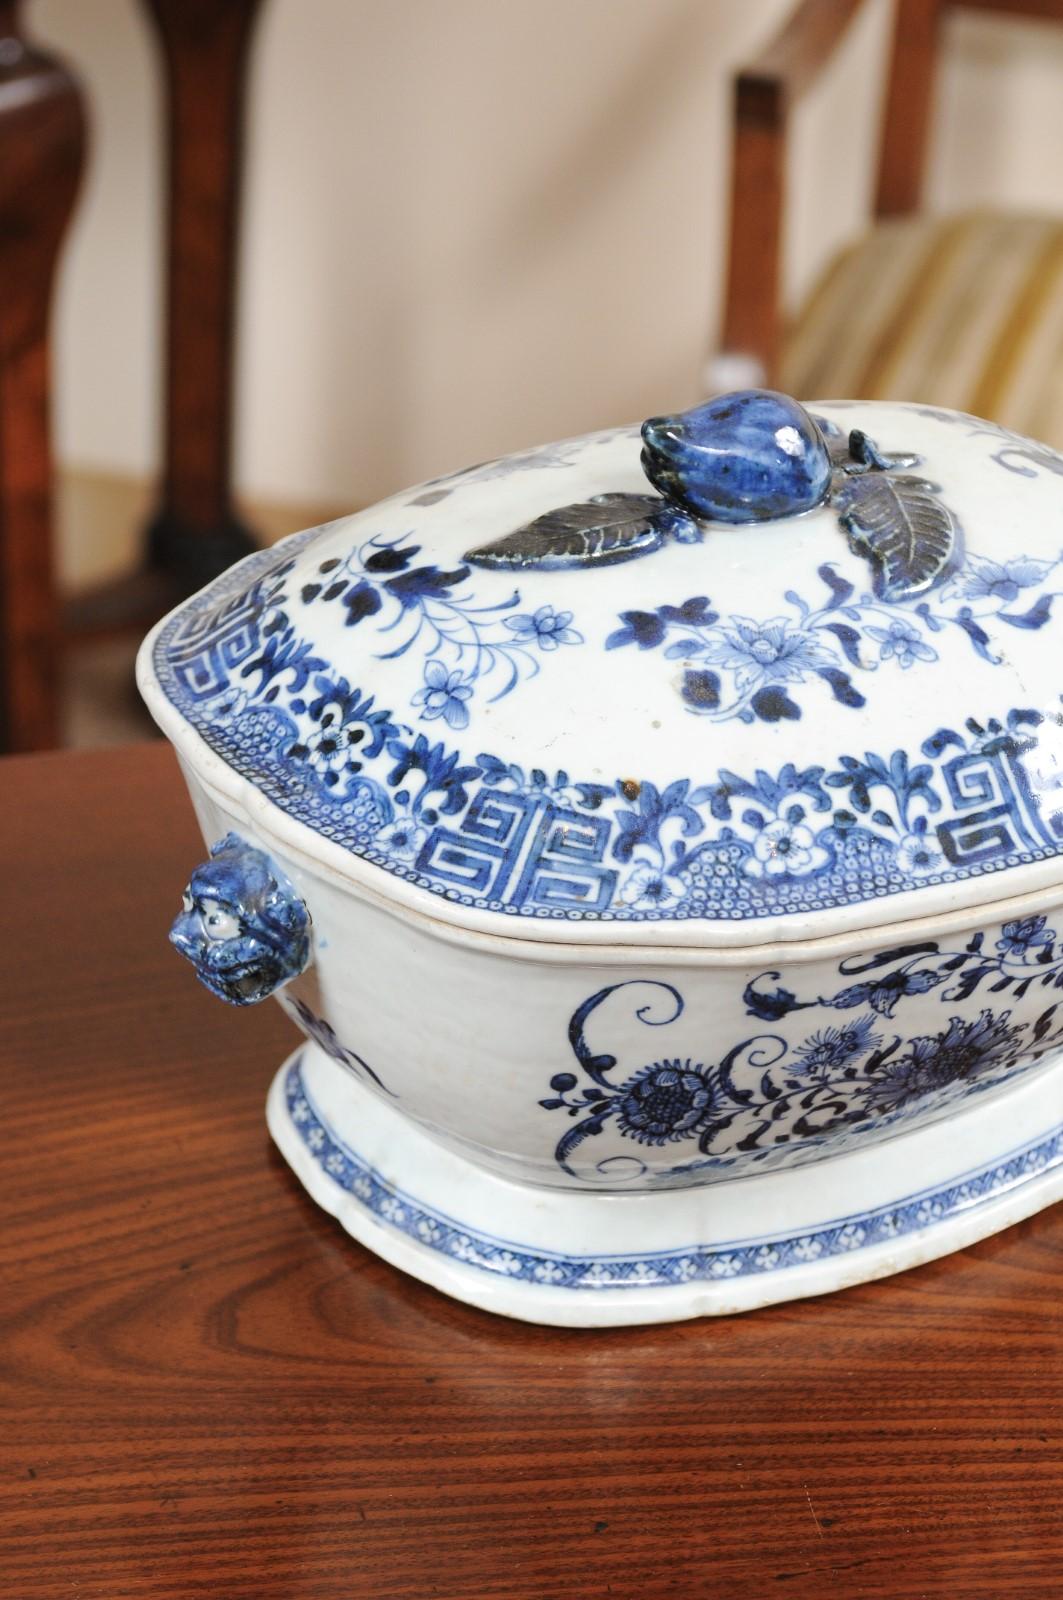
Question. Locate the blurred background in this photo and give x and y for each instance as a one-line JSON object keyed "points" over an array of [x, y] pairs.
{"points": [[467, 226]]}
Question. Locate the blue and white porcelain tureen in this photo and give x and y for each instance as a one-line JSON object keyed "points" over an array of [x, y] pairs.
{"points": [[658, 839]]}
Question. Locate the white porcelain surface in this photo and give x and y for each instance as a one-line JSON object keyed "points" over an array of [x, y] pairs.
{"points": [[596, 969]]}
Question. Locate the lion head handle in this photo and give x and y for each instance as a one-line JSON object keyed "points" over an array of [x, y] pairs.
{"points": [[242, 925]]}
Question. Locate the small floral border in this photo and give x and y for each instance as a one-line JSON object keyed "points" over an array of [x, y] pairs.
{"points": [[435, 1231]]}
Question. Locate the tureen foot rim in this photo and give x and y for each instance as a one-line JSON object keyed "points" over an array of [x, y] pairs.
{"points": [[573, 1260]]}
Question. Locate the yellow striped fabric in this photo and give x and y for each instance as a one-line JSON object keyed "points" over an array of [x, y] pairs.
{"points": [[963, 311]]}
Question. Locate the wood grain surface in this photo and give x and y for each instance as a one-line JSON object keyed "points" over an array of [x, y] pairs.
{"points": [[207, 1389]]}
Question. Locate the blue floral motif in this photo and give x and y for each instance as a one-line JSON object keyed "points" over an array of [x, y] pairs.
{"points": [[647, 888], [444, 695], [652, 810], [759, 653], [402, 838], [901, 639], [417, 603], [547, 627], [424, 773], [919, 854], [1029, 937], [771, 1093], [510, 778], [741, 667], [832, 1048], [1026, 955], [228, 704], [966, 1050], [787, 847], [664, 1102], [907, 786], [346, 730], [983, 579]]}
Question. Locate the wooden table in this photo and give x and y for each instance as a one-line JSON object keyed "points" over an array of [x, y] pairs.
{"points": [[207, 1389]]}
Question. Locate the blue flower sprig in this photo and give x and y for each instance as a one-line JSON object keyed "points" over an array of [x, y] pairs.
{"points": [[465, 645], [739, 666]]}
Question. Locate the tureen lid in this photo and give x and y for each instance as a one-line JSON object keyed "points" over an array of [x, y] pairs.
{"points": [[803, 680]]}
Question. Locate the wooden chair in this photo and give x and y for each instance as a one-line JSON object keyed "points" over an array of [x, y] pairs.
{"points": [[963, 311]]}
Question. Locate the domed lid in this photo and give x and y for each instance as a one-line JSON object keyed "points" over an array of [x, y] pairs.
{"points": [[810, 685]]}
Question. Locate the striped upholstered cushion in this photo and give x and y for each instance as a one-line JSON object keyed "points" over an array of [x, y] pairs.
{"points": [[963, 311]]}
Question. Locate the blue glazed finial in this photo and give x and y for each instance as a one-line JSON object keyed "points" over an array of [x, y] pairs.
{"points": [[750, 456], [242, 925]]}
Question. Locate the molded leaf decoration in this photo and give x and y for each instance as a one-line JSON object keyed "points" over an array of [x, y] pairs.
{"points": [[595, 532], [897, 521]]}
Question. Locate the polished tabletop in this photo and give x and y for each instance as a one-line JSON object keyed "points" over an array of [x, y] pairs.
{"points": [[206, 1388]]}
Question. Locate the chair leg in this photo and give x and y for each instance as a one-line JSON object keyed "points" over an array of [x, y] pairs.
{"points": [[42, 140]]}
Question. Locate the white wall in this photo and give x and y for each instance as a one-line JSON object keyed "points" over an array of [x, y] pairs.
{"points": [[474, 224], [106, 349]]}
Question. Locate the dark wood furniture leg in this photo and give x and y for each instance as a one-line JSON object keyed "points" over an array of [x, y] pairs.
{"points": [[195, 532], [42, 142]]}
